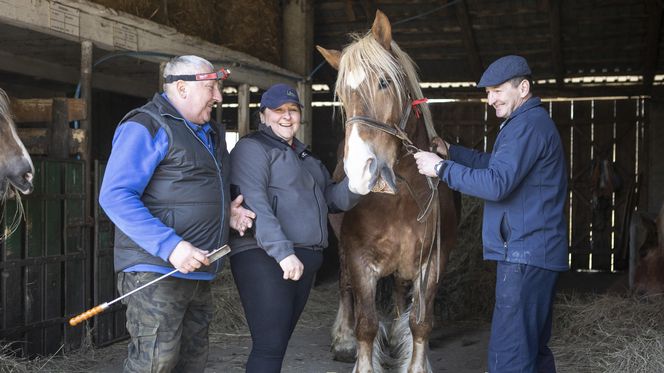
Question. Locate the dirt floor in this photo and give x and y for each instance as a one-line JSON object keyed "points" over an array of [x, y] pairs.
{"points": [[455, 347], [459, 349]]}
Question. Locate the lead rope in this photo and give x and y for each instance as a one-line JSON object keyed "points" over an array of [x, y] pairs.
{"points": [[424, 278], [436, 233]]}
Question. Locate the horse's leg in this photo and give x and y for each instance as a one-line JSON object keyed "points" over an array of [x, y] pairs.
{"points": [[343, 335], [364, 279], [419, 362]]}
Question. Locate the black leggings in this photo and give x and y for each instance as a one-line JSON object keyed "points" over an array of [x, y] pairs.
{"points": [[271, 304]]}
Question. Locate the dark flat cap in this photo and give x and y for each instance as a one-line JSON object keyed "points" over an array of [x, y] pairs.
{"points": [[504, 69]]}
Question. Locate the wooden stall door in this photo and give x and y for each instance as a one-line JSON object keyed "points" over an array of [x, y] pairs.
{"points": [[44, 263]]}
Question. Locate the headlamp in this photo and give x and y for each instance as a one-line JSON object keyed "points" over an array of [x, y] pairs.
{"points": [[222, 74]]}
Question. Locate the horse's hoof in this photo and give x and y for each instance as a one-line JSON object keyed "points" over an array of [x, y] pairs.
{"points": [[344, 355]]}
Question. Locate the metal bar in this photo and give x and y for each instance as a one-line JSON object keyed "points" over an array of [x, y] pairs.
{"points": [[212, 256]]}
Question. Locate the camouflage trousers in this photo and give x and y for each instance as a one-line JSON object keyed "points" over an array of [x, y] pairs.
{"points": [[168, 323]]}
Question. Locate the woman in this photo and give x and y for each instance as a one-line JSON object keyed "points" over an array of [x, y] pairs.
{"points": [[291, 193]]}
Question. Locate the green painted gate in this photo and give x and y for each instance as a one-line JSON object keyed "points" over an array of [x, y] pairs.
{"points": [[55, 265]]}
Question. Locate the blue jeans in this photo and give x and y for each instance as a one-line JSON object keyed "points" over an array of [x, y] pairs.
{"points": [[271, 304], [521, 325]]}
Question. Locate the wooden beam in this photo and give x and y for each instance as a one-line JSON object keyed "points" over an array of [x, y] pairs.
{"points": [[41, 110], [651, 43], [298, 37], [243, 99], [113, 30], [474, 60], [51, 71], [551, 91], [305, 133], [36, 140], [298, 41], [59, 141]]}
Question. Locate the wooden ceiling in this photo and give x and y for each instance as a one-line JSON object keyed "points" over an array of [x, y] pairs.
{"points": [[454, 40]]}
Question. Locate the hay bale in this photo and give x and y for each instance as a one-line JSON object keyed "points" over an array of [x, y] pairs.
{"points": [[609, 333], [252, 26], [467, 287]]}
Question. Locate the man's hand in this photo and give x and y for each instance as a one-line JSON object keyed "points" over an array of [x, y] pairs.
{"points": [[440, 146], [292, 267], [241, 218], [187, 257], [425, 163]]}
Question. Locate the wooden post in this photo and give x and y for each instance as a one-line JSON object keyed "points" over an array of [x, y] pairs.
{"points": [[162, 66], [243, 109], [59, 145], [86, 125], [305, 133], [298, 41]]}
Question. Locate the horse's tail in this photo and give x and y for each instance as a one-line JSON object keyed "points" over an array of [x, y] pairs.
{"points": [[401, 340]]}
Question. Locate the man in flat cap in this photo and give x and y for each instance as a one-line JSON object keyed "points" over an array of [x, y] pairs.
{"points": [[523, 182]]}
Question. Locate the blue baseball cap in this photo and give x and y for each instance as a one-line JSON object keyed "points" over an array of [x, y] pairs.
{"points": [[278, 95], [504, 69]]}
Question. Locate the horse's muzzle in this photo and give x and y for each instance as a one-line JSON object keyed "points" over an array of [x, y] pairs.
{"points": [[385, 182], [22, 177]]}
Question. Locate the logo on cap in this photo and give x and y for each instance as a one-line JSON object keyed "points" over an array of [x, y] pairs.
{"points": [[291, 93]]}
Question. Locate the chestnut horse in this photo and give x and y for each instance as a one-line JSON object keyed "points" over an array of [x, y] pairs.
{"points": [[407, 227], [16, 169]]}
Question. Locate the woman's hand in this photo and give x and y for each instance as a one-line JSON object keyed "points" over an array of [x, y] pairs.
{"points": [[292, 267]]}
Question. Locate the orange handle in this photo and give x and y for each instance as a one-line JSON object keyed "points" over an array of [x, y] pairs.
{"points": [[88, 314]]}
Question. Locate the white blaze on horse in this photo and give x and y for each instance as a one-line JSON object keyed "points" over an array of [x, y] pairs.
{"points": [[407, 226], [16, 169]]}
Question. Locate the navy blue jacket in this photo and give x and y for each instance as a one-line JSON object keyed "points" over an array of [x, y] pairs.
{"points": [[524, 185]]}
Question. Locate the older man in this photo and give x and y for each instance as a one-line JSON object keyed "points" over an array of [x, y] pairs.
{"points": [[166, 189], [524, 184]]}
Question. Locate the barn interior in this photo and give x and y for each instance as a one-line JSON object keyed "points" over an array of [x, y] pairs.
{"points": [[74, 68]]}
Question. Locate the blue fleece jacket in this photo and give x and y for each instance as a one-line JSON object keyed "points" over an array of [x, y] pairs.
{"points": [[524, 185]]}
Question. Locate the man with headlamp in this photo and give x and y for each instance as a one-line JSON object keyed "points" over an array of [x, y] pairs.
{"points": [[166, 189]]}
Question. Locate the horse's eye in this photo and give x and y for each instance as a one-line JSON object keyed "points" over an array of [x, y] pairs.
{"points": [[383, 83]]}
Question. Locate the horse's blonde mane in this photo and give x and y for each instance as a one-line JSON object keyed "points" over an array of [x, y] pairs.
{"points": [[366, 56]]}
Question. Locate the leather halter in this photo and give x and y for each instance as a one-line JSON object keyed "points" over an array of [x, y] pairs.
{"points": [[396, 131]]}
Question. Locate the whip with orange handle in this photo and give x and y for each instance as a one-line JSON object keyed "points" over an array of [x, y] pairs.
{"points": [[212, 256]]}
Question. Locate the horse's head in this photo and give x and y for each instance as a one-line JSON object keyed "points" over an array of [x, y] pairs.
{"points": [[15, 164], [375, 85]]}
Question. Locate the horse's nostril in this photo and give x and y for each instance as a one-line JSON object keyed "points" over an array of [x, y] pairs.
{"points": [[28, 176], [371, 165]]}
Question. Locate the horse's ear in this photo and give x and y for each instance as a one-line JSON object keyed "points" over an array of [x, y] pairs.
{"points": [[382, 30], [332, 56]]}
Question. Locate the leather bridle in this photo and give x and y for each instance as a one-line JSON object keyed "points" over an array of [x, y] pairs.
{"points": [[397, 131]]}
